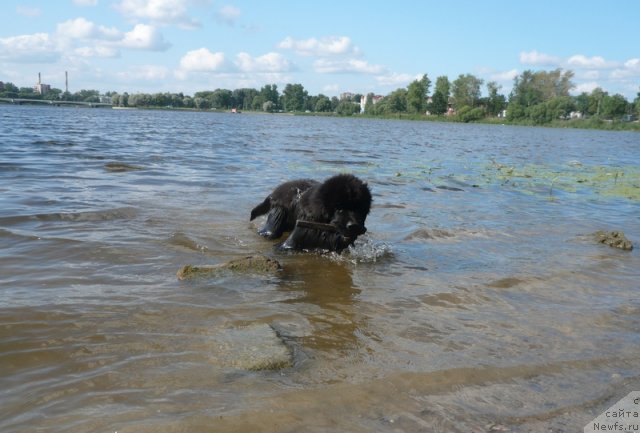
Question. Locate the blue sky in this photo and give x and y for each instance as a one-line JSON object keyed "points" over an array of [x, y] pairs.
{"points": [[327, 46]]}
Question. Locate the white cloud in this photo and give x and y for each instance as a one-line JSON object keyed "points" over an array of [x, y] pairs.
{"points": [[588, 75], [202, 60], [538, 59], [28, 11], [167, 12], [144, 73], [97, 51], [270, 62], [633, 65], [595, 62], [326, 66], [85, 2], [327, 46], [228, 14], [395, 79], [34, 48], [504, 76], [144, 37], [630, 69], [331, 88], [81, 28], [585, 87]]}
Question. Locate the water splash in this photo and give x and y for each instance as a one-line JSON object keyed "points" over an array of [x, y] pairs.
{"points": [[365, 250]]}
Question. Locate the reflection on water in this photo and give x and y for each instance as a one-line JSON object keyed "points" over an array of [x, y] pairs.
{"points": [[477, 301]]}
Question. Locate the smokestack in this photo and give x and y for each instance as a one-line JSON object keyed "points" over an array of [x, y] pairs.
{"points": [[39, 80], [66, 81]]}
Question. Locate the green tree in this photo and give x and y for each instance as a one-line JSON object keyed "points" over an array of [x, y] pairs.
{"points": [[269, 106], [123, 100], [495, 101], [595, 101], [323, 104], [269, 92], [368, 106], [187, 102], [468, 114], [560, 107], [10, 91], [466, 91], [614, 107], [221, 99], [28, 93], [53, 94], [440, 97], [582, 102], [294, 97], [396, 101], [347, 108], [531, 88], [243, 98], [636, 103], [87, 96], [417, 92]]}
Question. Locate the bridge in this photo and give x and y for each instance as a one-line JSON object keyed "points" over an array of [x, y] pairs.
{"points": [[21, 101]]}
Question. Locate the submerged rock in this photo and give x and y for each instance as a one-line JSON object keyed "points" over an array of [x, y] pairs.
{"points": [[249, 264], [119, 167], [255, 347], [614, 239]]}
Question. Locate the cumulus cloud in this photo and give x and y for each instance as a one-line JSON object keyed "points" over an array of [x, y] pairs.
{"points": [[585, 87], [144, 37], [166, 12], [595, 62], [633, 65], [504, 76], [144, 73], [228, 14], [396, 79], [202, 60], [97, 51], [334, 66], [270, 62], [630, 69], [81, 28], [536, 58], [327, 46], [34, 48]]}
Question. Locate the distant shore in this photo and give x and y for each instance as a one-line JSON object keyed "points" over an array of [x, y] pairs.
{"points": [[588, 123]]}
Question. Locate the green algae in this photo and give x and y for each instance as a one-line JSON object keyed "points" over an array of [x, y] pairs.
{"points": [[249, 264], [607, 181]]}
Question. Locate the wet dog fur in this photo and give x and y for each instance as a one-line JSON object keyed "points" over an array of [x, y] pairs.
{"points": [[342, 201]]}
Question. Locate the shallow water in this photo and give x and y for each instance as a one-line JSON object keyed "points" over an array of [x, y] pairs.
{"points": [[477, 301]]}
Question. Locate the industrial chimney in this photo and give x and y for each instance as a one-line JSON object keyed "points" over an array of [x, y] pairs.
{"points": [[66, 81], [39, 80]]}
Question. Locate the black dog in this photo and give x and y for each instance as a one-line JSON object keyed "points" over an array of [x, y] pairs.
{"points": [[321, 216]]}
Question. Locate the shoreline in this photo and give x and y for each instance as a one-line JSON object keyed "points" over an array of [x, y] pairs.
{"points": [[590, 123]]}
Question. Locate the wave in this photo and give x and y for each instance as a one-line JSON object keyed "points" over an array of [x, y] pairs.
{"points": [[101, 215]]}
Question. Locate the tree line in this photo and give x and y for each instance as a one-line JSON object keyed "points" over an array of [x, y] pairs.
{"points": [[536, 98]]}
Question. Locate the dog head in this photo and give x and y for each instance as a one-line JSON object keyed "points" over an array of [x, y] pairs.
{"points": [[346, 201]]}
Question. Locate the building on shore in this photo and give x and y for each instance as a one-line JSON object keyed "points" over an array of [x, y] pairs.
{"points": [[41, 88]]}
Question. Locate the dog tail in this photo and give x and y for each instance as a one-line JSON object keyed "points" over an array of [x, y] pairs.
{"points": [[261, 209]]}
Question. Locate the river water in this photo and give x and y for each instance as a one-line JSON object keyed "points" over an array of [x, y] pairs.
{"points": [[477, 301]]}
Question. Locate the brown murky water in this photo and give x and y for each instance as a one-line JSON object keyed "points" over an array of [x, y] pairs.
{"points": [[477, 301]]}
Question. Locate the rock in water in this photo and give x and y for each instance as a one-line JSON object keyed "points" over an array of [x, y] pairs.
{"points": [[614, 239], [249, 264], [255, 347]]}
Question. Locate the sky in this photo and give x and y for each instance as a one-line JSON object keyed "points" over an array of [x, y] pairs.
{"points": [[328, 46]]}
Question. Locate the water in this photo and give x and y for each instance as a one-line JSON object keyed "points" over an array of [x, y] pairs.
{"points": [[477, 301]]}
